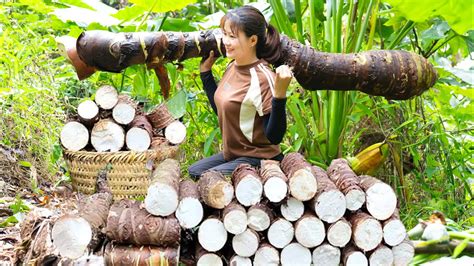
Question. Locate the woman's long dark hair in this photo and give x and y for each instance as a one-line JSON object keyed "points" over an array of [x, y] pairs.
{"points": [[252, 22]]}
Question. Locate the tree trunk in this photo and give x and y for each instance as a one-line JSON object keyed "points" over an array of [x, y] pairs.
{"points": [[326, 255], [212, 235], [248, 185], [351, 256], [88, 112], [175, 132], [309, 231], [125, 255], [259, 217], [280, 233], [246, 243], [214, 190], [106, 97], [292, 209], [125, 110], [266, 255], [392, 74], [129, 223], [381, 199], [275, 182], [107, 136], [295, 254], [190, 211], [347, 182], [367, 232], [74, 136], [339, 233], [329, 203], [235, 218], [163, 192], [302, 182]]}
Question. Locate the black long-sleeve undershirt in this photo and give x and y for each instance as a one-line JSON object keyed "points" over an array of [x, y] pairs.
{"points": [[274, 123], [210, 87]]}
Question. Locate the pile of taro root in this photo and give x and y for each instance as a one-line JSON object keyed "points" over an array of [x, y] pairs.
{"points": [[288, 212], [114, 122]]}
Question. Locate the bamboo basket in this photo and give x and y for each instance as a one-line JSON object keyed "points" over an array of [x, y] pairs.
{"points": [[128, 172]]}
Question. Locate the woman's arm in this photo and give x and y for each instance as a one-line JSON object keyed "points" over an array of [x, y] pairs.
{"points": [[274, 123], [210, 87], [207, 78]]}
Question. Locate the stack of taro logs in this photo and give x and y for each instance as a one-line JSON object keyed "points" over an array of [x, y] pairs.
{"points": [[294, 213], [114, 122], [136, 233], [288, 213]]}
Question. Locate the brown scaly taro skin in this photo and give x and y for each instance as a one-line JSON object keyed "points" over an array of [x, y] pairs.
{"points": [[397, 75]]}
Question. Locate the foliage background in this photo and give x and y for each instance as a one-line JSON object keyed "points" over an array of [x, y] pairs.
{"points": [[431, 136]]}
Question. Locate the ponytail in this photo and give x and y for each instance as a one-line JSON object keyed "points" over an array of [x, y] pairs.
{"points": [[270, 48]]}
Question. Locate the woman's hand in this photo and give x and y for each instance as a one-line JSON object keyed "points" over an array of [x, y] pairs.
{"points": [[206, 64], [283, 78]]}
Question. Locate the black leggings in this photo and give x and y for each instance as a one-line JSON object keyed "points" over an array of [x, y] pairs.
{"points": [[218, 163]]}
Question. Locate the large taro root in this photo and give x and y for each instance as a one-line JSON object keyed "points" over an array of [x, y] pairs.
{"points": [[393, 74]]}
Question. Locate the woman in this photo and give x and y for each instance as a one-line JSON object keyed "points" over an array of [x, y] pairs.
{"points": [[250, 100]]}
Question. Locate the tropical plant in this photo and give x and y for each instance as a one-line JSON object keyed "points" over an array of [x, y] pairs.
{"points": [[331, 124]]}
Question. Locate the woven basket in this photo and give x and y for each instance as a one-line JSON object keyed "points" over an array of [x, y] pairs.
{"points": [[128, 176]]}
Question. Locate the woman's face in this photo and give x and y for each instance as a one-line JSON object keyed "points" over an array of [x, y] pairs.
{"points": [[237, 45]]}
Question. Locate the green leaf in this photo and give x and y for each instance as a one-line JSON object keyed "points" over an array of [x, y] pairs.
{"points": [[210, 21], [465, 75], [458, 14], [19, 206], [469, 39], [139, 82], [460, 248], [177, 104], [24, 164], [289, 6], [129, 13], [161, 6], [177, 24], [281, 18], [56, 153], [100, 13], [38, 6], [96, 26], [318, 10], [297, 144], [77, 3], [10, 220], [436, 32], [464, 92], [210, 140]]}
